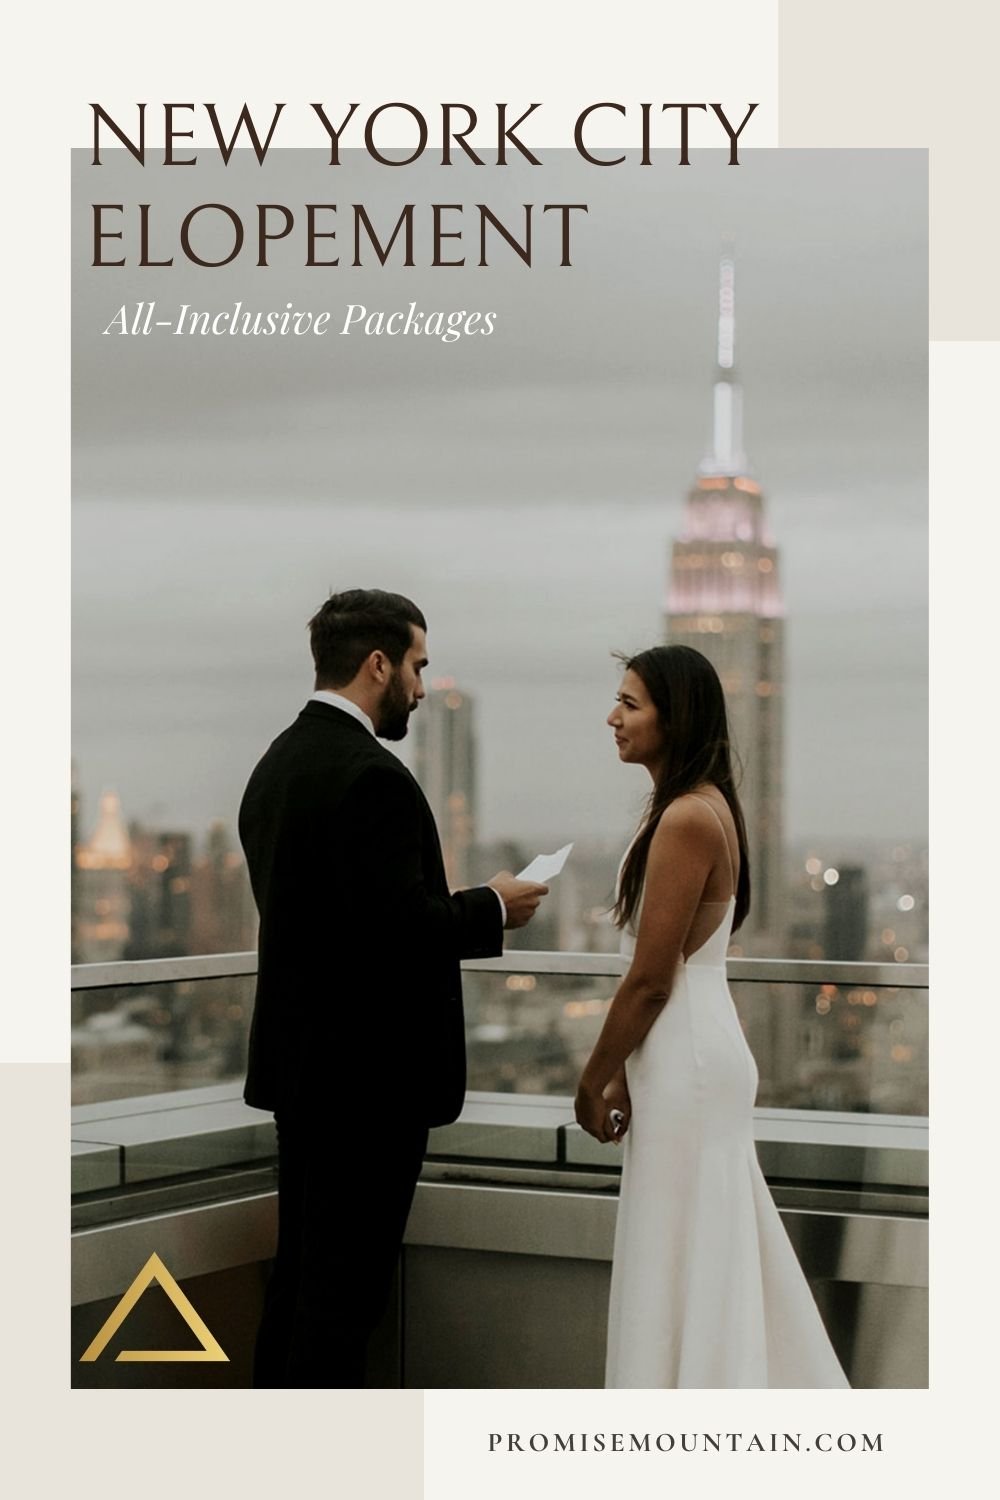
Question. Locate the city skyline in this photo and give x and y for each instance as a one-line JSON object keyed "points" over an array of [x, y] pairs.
{"points": [[145, 893], [542, 485]]}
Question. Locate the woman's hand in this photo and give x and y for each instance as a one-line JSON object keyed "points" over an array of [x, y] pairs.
{"points": [[593, 1109], [592, 1113], [616, 1097]]}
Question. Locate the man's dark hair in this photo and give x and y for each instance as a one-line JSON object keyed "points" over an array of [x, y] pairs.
{"points": [[350, 626]]}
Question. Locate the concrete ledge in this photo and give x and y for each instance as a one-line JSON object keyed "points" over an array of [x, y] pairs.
{"points": [[130, 1141], [505, 1127], [93, 1167], [887, 1151], [149, 1104], [185, 1135]]}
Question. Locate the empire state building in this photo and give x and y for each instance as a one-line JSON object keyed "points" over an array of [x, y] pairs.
{"points": [[724, 598]]}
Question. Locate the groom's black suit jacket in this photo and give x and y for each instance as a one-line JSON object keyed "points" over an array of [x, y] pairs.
{"points": [[359, 997]]}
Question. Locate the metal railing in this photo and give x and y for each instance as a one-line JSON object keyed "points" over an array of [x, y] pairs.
{"points": [[122, 974]]}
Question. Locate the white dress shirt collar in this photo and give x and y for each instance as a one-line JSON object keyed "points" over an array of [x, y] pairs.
{"points": [[345, 705]]}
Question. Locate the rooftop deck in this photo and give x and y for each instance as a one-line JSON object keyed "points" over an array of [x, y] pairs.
{"points": [[503, 1277]]}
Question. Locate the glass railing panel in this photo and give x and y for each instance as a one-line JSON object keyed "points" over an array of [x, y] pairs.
{"points": [[156, 1038], [856, 1048], [532, 1033], [830, 1038], [853, 1047]]}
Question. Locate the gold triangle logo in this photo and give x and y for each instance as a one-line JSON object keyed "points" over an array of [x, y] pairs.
{"points": [[154, 1270]]}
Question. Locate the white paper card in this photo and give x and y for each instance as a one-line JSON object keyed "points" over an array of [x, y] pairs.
{"points": [[544, 867]]}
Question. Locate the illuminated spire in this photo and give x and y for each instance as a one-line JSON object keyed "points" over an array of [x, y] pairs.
{"points": [[726, 455], [109, 849]]}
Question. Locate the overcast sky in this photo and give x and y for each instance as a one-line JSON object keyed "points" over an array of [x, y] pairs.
{"points": [[523, 488]]}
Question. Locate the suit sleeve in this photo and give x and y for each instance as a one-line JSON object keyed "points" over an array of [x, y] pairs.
{"points": [[383, 823]]}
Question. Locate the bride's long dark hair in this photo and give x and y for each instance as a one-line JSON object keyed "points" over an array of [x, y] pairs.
{"points": [[688, 697]]}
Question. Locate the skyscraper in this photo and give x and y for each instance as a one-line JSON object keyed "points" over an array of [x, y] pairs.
{"points": [[845, 927], [724, 598], [160, 884], [104, 907], [445, 766], [223, 916]]}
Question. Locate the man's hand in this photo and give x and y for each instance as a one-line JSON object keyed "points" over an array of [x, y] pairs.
{"points": [[520, 897]]}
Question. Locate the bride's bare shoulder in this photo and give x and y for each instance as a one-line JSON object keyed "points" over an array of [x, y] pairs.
{"points": [[688, 817]]}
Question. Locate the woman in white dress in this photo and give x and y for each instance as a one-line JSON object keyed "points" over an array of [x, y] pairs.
{"points": [[706, 1290]]}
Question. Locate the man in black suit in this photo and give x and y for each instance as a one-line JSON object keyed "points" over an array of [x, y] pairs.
{"points": [[357, 1042]]}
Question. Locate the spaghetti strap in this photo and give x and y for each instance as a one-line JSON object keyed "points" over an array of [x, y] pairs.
{"points": [[725, 838]]}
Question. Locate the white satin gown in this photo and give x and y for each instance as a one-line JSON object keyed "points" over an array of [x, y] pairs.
{"points": [[706, 1290]]}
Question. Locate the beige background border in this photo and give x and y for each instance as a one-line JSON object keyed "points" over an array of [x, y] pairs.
{"points": [[885, 73], [910, 73]]}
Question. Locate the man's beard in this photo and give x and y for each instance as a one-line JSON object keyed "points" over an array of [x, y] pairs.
{"points": [[394, 711]]}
